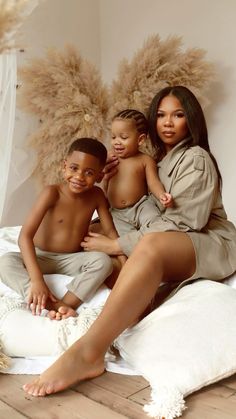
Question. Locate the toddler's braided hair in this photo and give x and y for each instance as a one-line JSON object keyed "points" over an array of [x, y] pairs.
{"points": [[138, 117]]}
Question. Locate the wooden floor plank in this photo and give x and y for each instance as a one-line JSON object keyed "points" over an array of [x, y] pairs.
{"points": [[68, 404], [217, 407], [142, 397], [218, 390], [196, 411], [230, 382], [110, 396], [113, 401], [8, 412], [124, 385]]}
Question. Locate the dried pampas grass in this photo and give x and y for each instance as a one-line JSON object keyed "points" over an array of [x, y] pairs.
{"points": [[11, 16], [67, 94], [156, 65]]}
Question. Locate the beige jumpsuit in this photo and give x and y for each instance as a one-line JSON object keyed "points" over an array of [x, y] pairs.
{"points": [[189, 174]]}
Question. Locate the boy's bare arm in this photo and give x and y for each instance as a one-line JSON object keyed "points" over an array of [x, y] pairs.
{"points": [[39, 292], [154, 184]]}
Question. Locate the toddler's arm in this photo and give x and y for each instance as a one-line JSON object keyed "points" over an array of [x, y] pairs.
{"points": [[154, 184], [166, 199]]}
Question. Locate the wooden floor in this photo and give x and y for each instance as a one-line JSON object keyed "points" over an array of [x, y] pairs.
{"points": [[110, 396]]}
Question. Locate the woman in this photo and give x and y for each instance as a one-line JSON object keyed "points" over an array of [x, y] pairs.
{"points": [[193, 239]]}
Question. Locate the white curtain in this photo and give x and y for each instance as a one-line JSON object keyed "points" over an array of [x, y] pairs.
{"points": [[7, 119], [16, 162]]}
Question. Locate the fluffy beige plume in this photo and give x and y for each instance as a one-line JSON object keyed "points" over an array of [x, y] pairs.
{"points": [[11, 16], [67, 94], [159, 63], [156, 65]]}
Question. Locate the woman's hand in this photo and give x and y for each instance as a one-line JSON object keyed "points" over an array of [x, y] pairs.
{"points": [[38, 296], [99, 242]]}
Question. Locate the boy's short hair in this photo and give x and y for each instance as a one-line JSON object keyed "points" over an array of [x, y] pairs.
{"points": [[90, 146]]}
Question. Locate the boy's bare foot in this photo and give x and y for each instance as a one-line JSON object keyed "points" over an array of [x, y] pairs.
{"points": [[63, 312], [76, 364]]}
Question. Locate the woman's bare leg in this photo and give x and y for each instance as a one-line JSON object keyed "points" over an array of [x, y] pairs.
{"points": [[158, 257]]}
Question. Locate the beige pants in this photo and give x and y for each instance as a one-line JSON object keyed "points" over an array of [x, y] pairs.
{"points": [[131, 219], [87, 269]]}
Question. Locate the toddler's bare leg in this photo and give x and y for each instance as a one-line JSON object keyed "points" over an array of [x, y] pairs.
{"points": [[157, 257]]}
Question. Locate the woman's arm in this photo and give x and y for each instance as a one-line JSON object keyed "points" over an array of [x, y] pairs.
{"points": [[194, 184]]}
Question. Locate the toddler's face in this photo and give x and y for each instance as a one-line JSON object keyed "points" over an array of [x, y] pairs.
{"points": [[125, 139], [81, 171]]}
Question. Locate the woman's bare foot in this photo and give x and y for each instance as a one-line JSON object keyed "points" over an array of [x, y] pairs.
{"points": [[76, 364], [63, 312]]}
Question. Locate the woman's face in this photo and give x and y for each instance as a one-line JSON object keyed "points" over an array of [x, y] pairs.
{"points": [[171, 122]]}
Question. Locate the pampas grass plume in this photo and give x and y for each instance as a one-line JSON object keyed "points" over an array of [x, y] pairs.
{"points": [[11, 16], [66, 92]]}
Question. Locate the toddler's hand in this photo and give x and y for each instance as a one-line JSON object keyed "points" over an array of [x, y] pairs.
{"points": [[166, 200]]}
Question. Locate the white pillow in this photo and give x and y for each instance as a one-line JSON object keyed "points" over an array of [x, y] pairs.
{"points": [[187, 343], [25, 335]]}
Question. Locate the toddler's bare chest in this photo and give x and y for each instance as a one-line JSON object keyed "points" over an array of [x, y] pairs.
{"points": [[129, 172]]}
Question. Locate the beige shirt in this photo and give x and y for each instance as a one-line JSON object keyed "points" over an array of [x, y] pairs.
{"points": [[189, 174]]}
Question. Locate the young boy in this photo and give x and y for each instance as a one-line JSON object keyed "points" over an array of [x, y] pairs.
{"points": [[50, 239]]}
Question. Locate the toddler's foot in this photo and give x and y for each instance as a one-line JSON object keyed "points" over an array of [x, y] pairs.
{"points": [[63, 312], [73, 366]]}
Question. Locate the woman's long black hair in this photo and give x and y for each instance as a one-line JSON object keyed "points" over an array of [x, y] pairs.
{"points": [[194, 116]]}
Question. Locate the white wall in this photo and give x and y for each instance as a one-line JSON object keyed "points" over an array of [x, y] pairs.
{"points": [[125, 24]]}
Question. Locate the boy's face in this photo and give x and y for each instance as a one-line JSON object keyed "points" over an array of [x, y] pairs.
{"points": [[81, 171], [125, 138]]}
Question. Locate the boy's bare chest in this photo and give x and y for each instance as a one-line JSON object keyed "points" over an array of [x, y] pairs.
{"points": [[65, 224], [72, 214]]}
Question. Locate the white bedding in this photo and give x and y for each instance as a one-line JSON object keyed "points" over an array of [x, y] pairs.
{"points": [[172, 375], [35, 365]]}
